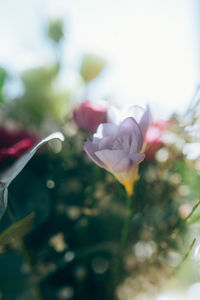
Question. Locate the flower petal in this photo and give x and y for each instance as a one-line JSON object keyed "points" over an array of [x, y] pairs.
{"points": [[137, 158], [129, 127], [110, 158], [141, 115], [103, 130], [135, 112], [91, 148], [145, 121], [128, 161]]}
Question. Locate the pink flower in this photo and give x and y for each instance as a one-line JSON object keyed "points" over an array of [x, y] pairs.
{"points": [[89, 115], [16, 149], [13, 144], [154, 138]]}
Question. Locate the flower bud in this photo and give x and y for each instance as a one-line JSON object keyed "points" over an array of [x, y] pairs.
{"points": [[91, 66], [56, 30], [153, 138], [88, 116]]}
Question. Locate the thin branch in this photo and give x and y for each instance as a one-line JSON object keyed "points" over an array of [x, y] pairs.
{"points": [[185, 220], [185, 256]]}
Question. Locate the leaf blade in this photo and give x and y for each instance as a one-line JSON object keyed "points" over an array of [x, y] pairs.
{"points": [[17, 230]]}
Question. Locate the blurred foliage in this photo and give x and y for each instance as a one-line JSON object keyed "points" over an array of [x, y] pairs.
{"points": [[17, 230], [91, 66], [3, 76], [56, 30], [40, 100]]}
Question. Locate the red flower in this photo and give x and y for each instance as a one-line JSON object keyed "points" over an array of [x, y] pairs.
{"points": [[14, 144], [154, 137], [89, 116]]}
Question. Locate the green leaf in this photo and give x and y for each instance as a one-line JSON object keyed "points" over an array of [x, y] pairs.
{"points": [[17, 230]]}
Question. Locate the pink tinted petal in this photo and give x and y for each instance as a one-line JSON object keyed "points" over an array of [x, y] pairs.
{"points": [[90, 148], [130, 127], [153, 134], [8, 138]]}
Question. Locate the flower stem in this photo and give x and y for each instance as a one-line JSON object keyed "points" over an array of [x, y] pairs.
{"points": [[125, 230], [25, 254], [185, 220], [118, 259], [124, 237], [185, 257], [192, 211]]}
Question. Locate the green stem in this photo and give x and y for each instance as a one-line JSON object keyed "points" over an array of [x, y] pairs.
{"points": [[25, 254], [118, 262], [185, 257], [125, 230], [192, 211], [185, 220]]}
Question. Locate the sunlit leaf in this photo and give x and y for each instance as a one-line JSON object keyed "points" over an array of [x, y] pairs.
{"points": [[17, 230]]}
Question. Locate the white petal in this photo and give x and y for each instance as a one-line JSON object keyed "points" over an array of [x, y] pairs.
{"points": [[114, 115], [145, 121], [105, 129], [135, 112]]}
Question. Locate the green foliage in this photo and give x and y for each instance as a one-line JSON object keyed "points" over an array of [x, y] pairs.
{"points": [[40, 101], [17, 229], [91, 66], [56, 30], [3, 76]]}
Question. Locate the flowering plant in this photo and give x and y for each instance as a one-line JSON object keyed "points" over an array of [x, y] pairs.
{"points": [[67, 223], [118, 148]]}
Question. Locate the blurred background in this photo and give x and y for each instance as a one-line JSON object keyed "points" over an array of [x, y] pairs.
{"points": [[152, 47]]}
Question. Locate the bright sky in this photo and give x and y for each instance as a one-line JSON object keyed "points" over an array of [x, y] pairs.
{"points": [[152, 45]]}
